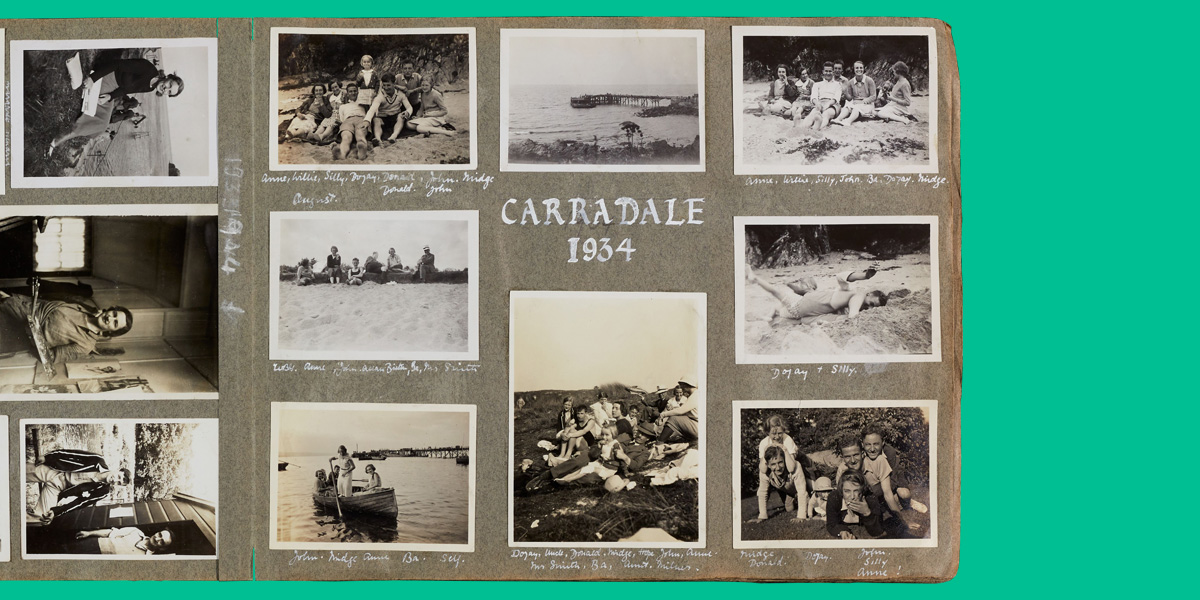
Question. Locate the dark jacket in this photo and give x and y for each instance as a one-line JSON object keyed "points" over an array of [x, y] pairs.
{"points": [[84, 494], [835, 517], [75, 461], [133, 75]]}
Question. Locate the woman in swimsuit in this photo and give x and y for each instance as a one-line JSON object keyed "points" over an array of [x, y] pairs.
{"points": [[802, 301]]}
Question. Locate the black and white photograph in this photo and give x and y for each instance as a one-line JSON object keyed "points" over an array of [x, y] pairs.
{"points": [[115, 302], [836, 289], [5, 545], [120, 489], [3, 132], [835, 474], [388, 477], [114, 113], [618, 100], [373, 99], [398, 285], [607, 419], [835, 100]]}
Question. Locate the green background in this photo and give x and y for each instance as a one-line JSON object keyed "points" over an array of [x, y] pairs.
{"points": [[1078, 149]]}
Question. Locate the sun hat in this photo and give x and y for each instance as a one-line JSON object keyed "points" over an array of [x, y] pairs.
{"points": [[688, 381], [822, 484]]}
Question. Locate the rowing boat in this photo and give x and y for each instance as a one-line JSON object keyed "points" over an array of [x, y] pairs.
{"points": [[382, 502]]}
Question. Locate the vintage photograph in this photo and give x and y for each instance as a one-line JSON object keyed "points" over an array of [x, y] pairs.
{"points": [[114, 113], [115, 302], [836, 289], [821, 474], [363, 99], [607, 419], [3, 174], [384, 477], [602, 100], [120, 489], [834, 100], [5, 545], [399, 285]]}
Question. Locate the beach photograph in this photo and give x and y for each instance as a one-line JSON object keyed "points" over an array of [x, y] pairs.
{"points": [[387, 285], [607, 419], [834, 100], [373, 99], [120, 489], [114, 113], [841, 474], [836, 289], [109, 302], [617, 100], [386, 477]]}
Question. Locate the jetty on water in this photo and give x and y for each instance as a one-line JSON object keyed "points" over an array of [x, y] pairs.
{"points": [[446, 452], [594, 100]]}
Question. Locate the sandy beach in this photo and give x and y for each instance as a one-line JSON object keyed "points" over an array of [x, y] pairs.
{"points": [[408, 149], [772, 140], [904, 326], [373, 317]]}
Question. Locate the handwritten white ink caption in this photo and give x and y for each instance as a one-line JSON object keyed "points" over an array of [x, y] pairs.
{"points": [[877, 563], [230, 226], [388, 368], [610, 559], [804, 373], [388, 184], [932, 181], [350, 559], [595, 213]]}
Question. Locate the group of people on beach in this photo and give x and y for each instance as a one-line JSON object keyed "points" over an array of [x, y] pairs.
{"points": [[838, 99], [373, 109], [355, 274], [340, 479], [868, 488]]}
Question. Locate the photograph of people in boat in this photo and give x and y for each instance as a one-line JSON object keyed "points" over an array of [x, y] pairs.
{"points": [[602, 100], [382, 99], [828, 474], [364, 476], [608, 411], [120, 489], [114, 113]]}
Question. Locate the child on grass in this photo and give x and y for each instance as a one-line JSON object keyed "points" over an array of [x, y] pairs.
{"points": [[819, 499]]}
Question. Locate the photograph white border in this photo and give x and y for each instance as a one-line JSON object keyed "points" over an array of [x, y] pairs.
{"points": [[19, 180], [169, 557], [473, 456], [112, 210], [740, 405], [507, 34], [471, 217], [744, 357], [5, 509], [742, 167], [700, 303], [273, 144], [4, 117]]}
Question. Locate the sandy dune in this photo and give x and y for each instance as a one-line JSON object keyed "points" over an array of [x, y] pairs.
{"points": [[402, 318]]}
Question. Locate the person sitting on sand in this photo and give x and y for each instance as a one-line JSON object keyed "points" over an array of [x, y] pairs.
{"points": [[851, 503], [424, 267], [333, 265], [353, 127], [393, 261], [355, 275], [373, 480], [899, 106], [781, 477], [409, 80], [304, 273], [389, 110], [781, 93], [805, 303], [682, 424], [862, 93], [826, 94], [431, 116], [373, 265], [310, 115], [582, 436]]}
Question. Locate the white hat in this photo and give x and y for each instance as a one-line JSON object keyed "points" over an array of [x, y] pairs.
{"points": [[688, 381]]}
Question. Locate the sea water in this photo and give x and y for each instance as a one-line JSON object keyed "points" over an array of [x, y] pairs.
{"points": [[432, 495], [543, 113]]}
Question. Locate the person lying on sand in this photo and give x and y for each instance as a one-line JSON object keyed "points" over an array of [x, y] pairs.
{"points": [[805, 303], [431, 116], [862, 93], [603, 461], [826, 94]]}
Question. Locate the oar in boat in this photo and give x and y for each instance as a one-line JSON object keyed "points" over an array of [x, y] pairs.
{"points": [[335, 492]]}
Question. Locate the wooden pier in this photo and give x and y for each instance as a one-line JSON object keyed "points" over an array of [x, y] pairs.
{"points": [[447, 452], [594, 100]]}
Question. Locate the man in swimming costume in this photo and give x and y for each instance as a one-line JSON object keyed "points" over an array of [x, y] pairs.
{"points": [[807, 304]]}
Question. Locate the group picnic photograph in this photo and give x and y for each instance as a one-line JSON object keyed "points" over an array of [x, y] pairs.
{"points": [[836, 289], [608, 419], [373, 99], [831, 474], [618, 100], [114, 113], [834, 100], [377, 476], [375, 285], [120, 489]]}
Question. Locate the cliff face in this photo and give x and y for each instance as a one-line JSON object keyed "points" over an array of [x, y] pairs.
{"points": [[763, 53], [308, 59]]}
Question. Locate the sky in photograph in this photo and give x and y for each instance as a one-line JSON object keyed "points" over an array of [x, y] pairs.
{"points": [[358, 238], [571, 343], [602, 60], [187, 113], [307, 431]]}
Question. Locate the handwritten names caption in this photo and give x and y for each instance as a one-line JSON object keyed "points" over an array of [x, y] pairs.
{"points": [[932, 181], [388, 184], [407, 369], [351, 559], [814, 371], [759, 559], [876, 563], [609, 559]]}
